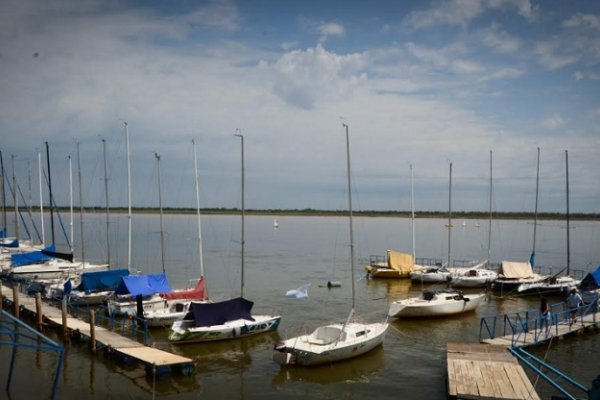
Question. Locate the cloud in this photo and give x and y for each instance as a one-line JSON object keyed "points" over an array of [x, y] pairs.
{"points": [[462, 12], [579, 41], [499, 40], [331, 29], [554, 121], [303, 78]]}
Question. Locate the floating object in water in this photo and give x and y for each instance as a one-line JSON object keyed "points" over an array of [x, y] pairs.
{"points": [[299, 293], [331, 284]]}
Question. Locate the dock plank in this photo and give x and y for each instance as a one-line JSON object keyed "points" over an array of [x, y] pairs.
{"points": [[482, 371]]}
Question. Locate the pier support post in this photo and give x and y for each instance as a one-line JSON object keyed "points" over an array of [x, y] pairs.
{"points": [[64, 317], [1, 298], [38, 310], [16, 301], [92, 331]]}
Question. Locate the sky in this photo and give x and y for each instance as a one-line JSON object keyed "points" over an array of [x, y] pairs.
{"points": [[421, 83]]}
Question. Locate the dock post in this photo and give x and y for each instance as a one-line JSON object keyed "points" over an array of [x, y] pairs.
{"points": [[38, 309], [1, 298], [64, 317], [93, 331], [16, 301]]}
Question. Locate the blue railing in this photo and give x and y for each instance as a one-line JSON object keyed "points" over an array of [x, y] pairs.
{"points": [[518, 325]]}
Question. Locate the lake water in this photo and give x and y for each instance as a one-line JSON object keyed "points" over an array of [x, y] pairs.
{"points": [[411, 364]]}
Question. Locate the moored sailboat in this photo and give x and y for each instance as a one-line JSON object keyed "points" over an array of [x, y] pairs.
{"points": [[230, 319], [338, 341]]}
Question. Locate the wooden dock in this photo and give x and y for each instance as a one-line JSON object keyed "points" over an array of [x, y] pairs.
{"points": [[483, 371], [534, 337], [156, 361]]}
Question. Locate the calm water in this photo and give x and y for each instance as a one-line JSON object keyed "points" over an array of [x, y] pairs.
{"points": [[312, 250]]}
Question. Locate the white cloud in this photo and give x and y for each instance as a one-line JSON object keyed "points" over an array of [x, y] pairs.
{"points": [[304, 78], [461, 12], [582, 21], [331, 29], [554, 121], [499, 40]]}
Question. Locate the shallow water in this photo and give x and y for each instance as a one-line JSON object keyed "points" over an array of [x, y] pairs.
{"points": [[411, 364]]}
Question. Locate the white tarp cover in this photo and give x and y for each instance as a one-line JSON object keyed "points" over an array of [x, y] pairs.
{"points": [[513, 269], [402, 262]]}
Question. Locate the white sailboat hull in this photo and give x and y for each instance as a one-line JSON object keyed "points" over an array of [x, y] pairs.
{"points": [[54, 269], [417, 307], [184, 331], [315, 349]]}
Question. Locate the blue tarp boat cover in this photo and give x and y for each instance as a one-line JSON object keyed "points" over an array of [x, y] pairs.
{"points": [[32, 257], [145, 285], [101, 280], [3, 233], [591, 281], [210, 314], [13, 244]]}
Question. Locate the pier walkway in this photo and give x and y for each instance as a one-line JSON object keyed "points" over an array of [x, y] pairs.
{"points": [[157, 362], [486, 372], [525, 329], [491, 369]]}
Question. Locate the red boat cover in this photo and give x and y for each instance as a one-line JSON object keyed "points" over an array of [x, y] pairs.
{"points": [[197, 293]]}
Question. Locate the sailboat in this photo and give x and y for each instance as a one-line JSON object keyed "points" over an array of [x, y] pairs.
{"points": [[479, 276], [396, 264], [337, 341], [436, 303], [229, 319], [512, 274], [444, 273], [555, 285], [176, 304]]}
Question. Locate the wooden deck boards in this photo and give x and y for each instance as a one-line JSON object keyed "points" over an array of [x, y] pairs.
{"points": [[131, 348], [482, 371]]}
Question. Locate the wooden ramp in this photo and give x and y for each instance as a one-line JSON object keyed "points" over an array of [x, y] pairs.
{"points": [[125, 348], [483, 371], [534, 337]]}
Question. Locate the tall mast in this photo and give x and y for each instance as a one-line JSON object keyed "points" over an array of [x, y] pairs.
{"points": [[350, 212], [412, 211], [568, 218], [162, 232], [449, 215], [4, 219], [80, 206], [128, 200], [243, 212], [50, 192], [107, 208], [490, 220], [41, 197], [197, 184], [535, 215], [15, 198], [71, 201]]}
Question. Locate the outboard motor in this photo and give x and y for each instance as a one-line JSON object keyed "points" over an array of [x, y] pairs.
{"points": [[140, 306]]}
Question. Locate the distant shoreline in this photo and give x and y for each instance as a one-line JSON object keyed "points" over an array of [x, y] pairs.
{"points": [[309, 212]]}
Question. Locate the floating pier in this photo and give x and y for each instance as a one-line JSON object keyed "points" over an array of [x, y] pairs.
{"points": [[483, 371], [157, 362]]}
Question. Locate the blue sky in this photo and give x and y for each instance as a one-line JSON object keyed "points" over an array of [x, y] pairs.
{"points": [[418, 82]]}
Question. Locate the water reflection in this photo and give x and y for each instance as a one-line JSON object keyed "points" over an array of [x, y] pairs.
{"points": [[360, 369]]}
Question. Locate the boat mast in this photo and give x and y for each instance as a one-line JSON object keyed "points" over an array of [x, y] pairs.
{"points": [[15, 199], [243, 209], [41, 197], [107, 209], [197, 184], [490, 220], [350, 213], [128, 200], [535, 215], [568, 220], [4, 219], [412, 211], [162, 232], [80, 206], [449, 215], [50, 192], [71, 201]]}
